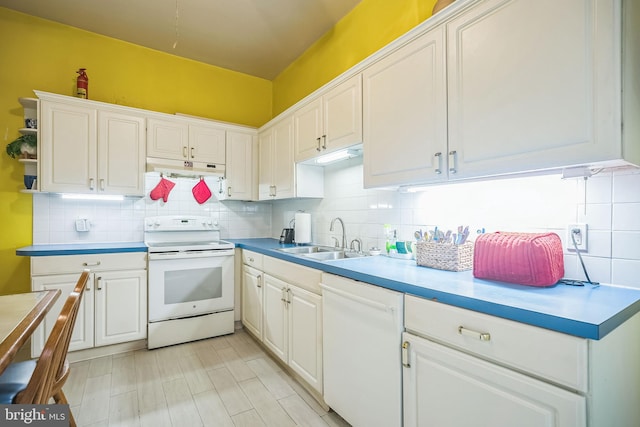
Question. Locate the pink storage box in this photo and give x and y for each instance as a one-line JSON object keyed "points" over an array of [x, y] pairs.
{"points": [[523, 258]]}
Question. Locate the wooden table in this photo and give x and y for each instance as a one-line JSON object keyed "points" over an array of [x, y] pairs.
{"points": [[20, 315]]}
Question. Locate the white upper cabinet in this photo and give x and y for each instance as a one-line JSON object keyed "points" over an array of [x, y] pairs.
{"points": [[530, 89], [177, 139], [404, 114], [277, 168], [207, 144], [86, 148], [330, 122], [500, 87], [121, 153], [241, 168]]}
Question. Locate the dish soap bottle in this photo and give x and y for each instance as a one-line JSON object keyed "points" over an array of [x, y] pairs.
{"points": [[391, 238]]}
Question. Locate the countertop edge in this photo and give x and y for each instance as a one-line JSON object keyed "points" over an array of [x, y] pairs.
{"points": [[81, 249], [581, 329]]}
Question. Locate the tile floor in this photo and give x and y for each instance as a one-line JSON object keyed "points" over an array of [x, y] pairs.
{"points": [[222, 381]]}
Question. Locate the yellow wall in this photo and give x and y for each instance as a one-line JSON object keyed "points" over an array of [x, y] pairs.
{"points": [[41, 54], [367, 28]]}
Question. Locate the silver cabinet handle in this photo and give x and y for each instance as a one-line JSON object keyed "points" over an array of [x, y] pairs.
{"points": [[259, 277], [98, 287], [288, 295], [102, 184], [405, 354], [90, 264], [282, 298], [453, 157], [192, 156], [324, 142], [229, 191], [318, 147], [438, 157], [91, 183], [184, 151], [482, 336]]}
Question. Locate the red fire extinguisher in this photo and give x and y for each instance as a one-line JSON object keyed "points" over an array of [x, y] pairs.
{"points": [[82, 85]]}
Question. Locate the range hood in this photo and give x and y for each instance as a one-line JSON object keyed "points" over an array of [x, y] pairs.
{"points": [[184, 168]]}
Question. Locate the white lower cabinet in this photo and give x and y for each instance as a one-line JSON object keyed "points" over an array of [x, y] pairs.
{"points": [[252, 300], [114, 306], [446, 387], [288, 317], [276, 316], [463, 368]]}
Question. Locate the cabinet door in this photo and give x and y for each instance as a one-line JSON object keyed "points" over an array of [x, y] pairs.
{"points": [[265, 165], [305, 335], [252, 300], [167, 139], [120, 307], [68, 148], [445, 387], [275, 316], [121, 153], [404, 114], [522, 98], [342, 115], [82, 336], [240, 165], [207, 144], [309, 134], [283, 163]]}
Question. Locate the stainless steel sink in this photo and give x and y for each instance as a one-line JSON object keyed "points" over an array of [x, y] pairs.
{"points": [[333, 255], [307, 249]]}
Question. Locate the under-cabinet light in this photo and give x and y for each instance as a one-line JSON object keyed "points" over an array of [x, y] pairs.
{"points": [[578, 172], [337, 155], [113, 197], [414, 189]]}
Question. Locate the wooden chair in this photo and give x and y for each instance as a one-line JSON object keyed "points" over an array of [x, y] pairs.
{"points": [[36, 382]]}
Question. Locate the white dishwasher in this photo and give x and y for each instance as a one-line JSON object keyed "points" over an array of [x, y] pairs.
{"points": [[362, 338]]}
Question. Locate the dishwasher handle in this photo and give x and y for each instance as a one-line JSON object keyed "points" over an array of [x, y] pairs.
{"points": [[373, 304]]}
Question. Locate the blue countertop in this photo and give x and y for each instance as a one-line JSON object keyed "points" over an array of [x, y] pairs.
{"points": [[81, 249], [582, 311]]}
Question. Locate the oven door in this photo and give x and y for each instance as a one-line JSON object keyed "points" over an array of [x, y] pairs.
{"points": [[183, 285]]}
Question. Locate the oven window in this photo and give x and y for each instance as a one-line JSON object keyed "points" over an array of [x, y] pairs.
{"points": [[192, 285]]}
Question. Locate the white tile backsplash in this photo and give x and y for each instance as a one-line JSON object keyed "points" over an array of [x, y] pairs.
{"points": [[532, 204], [625, 272], [122, 221], [626, 217], [536, 204]]}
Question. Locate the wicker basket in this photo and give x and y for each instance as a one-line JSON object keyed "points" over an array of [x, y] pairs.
{"points": [[445, 256]]}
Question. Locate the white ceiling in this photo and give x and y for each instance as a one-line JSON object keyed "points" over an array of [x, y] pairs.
{"points": [[256, 37]]}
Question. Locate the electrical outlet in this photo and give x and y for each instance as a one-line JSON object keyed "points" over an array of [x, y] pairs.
{"points": [[579, 232]]}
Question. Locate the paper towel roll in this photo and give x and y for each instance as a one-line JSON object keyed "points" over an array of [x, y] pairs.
{"points": [[302, 227]]}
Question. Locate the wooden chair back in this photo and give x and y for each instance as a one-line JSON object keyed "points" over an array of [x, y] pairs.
{"points": [[54, 354]]}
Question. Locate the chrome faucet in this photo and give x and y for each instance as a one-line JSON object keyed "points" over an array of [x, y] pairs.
{"points": [[353, 246], [344, 234]]}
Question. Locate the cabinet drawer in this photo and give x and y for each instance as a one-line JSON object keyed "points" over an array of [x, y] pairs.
{"points": [[539, 352], [304, 277], [63, 264], [253, 259]]}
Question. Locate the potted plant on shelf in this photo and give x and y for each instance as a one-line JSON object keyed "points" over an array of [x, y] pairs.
{"points": [[24, 147]]}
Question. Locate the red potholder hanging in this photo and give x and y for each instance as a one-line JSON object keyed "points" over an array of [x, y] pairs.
{"points": [[201, 191], [162, 190]]}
